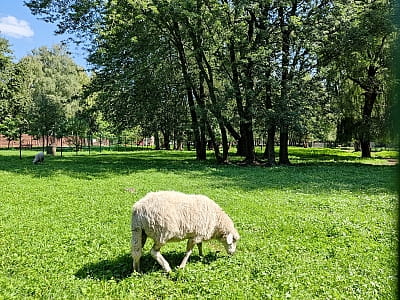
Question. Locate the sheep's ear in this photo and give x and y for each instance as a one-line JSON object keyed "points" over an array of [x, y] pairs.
{"points": [[229, 239]]}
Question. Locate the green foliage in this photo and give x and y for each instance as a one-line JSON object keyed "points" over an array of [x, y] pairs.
{"points": [[14, 94], [360, 57], [299, 67], [10, 128], [324, 229], [55, 84], [6, 76], [141, 78]]}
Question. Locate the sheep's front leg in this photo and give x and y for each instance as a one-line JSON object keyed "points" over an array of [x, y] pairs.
{"points": [[189, 249], [155, 252]]}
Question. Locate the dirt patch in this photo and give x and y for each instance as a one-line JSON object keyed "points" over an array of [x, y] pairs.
{"points": [[130, 190]]}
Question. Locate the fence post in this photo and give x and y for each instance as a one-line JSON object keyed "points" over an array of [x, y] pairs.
{"points": [[89, 142], [20, 143]]}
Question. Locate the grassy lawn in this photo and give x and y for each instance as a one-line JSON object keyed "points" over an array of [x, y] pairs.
{"points": [[324, 228]]}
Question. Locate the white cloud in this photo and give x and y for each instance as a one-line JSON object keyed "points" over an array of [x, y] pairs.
{"points": [[13, 27]]}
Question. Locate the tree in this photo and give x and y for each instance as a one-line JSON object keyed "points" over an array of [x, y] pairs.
{"points": [[14, 97], [10, 128], [302, 30], [360, 51], [55, 83], [166, 22], [233, 66], [137, 80], [7, 70]]}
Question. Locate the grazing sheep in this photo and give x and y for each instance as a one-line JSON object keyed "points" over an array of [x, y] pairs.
{"points": [[170, 216], [39, 158]]}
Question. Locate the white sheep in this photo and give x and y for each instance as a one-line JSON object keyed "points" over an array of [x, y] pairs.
{"points": [[39, 157], [170, 216]]}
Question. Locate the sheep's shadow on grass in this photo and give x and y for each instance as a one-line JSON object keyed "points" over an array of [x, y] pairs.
{"points": [[121, 268]]}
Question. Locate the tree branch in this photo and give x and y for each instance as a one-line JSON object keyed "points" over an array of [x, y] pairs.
{"points": [[359, 82]]}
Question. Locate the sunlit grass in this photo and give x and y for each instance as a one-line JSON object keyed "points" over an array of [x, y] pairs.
{"points": [[324, 228]]}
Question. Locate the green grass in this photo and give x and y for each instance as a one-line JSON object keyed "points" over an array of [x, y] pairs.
{"points": [[324, 228]]}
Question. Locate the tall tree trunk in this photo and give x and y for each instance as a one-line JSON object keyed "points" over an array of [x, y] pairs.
{"points": [[283, 146], [284, 128], [250, 94], [200, 146], [246, 133], [241, 145], [225, 146], [371, 87], [207, 73], [167, 140], [247, 124], [365, 148], [365, 136], [201, 103], [370, 97], [269, 153], [157, 140], [246, 138], [214, 143]]}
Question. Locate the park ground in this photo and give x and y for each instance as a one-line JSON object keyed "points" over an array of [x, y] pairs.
{"points": [[324, 228]]}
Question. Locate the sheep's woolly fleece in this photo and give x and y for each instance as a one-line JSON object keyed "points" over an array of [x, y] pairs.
{"points": [[174, 216], [39, 157], [170, 216]]}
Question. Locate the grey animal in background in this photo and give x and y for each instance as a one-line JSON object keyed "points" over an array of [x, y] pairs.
{"points": [[170, 216], [39, 158]]}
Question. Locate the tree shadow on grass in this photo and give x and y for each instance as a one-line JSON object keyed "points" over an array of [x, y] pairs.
{"points": [[121, 268], [324, 171], [103, 165]]}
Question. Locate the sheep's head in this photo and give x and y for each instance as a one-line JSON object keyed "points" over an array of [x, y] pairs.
{"points": [[229, 242]]}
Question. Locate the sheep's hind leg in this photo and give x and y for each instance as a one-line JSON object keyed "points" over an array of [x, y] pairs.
{"points": [[155, 252], [200, 246], [189, 249], [137, 244]]}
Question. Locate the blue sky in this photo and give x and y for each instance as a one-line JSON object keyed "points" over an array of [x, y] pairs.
{"points": [[25, 32]]}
